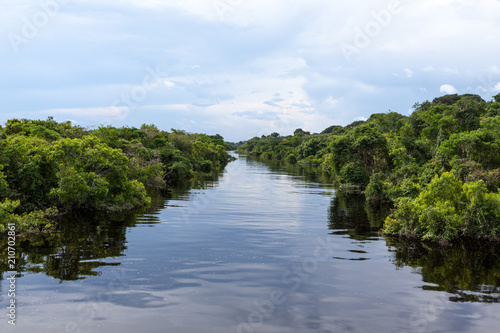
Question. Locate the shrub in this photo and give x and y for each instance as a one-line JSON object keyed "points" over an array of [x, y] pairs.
{"points": [[34, 221], [446, 210], [352, 174]]}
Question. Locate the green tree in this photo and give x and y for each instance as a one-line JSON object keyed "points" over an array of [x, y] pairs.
{"points": [[446, 210]]}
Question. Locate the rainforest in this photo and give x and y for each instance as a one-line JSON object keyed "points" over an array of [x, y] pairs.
{"points": [[50, 169], [387, 224], [439, 167]]}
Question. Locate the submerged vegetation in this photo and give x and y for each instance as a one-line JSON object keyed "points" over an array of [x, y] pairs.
{"points": [[439, 167], [48, 169]]}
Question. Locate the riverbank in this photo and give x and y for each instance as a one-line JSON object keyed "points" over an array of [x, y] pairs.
{"points": [[257, 234], [49, 169], [412, 162]]}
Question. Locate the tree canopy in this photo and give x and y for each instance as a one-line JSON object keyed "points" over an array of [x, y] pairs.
{"points": [[48, 169], [451, 144]]}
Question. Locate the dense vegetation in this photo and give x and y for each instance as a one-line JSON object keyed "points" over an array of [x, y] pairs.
{"points": [[440, 166], [48, 169]]}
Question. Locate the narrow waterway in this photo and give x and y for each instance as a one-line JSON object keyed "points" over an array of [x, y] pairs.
{"points": [[260, 249]]}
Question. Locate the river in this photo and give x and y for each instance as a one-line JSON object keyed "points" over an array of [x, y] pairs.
{"points": [[260, 248]]}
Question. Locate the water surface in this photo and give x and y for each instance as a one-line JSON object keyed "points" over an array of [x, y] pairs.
{"points": [[261, 248]]}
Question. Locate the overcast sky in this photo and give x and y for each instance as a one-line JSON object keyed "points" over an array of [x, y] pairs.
{"points": [[241, 68]]}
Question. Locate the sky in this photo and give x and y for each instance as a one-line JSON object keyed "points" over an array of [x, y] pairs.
{"points": [[241, 68]]}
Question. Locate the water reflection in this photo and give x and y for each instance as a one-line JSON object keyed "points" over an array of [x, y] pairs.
{"points": [[199, 260], [83, 244], [349, 214], [82, 247], [75, 251], [303, 172], [471, 272]]}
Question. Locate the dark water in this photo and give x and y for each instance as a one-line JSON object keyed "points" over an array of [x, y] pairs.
{"points": [[263, 248]]}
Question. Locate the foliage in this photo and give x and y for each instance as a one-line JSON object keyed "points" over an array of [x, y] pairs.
{"points": [[446, 210], [377, 188], [33, 221], [47, 129], [47, 166], [4, 186], [396, 158]]}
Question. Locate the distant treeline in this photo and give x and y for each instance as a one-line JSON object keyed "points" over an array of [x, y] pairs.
{"points": [[440, 166], [49, 169]]}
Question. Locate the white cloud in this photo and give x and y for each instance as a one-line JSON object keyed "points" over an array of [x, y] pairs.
{"points": [[408, 72], [448, 89], [169, 84], [332, 101], [497, 87], [450, 70]]}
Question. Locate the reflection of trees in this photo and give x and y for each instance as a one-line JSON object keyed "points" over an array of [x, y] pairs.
{"points": [[82, 244], [350, 212], [305, 172], [75, 250], [469, 271]]}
